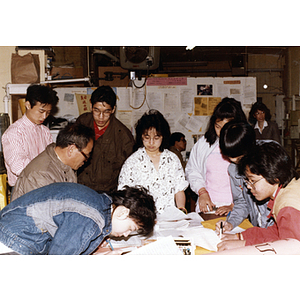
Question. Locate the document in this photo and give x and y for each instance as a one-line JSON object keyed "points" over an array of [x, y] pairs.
{"points": [[203, 237], [163, 246]]}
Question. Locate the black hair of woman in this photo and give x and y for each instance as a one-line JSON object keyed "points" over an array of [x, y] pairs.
{"points": [[236, 139], [152, 119], [259, 106], [228, 108]]}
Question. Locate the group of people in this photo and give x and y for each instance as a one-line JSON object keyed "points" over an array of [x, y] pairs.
{"points": [[97, 180]]}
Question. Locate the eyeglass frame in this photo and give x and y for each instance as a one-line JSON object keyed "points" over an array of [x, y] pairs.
{"points": [[106, 113], [86, 156], [247, 181]]}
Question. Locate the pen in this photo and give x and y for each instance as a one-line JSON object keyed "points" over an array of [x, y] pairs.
{"points": [[221, 229], [110, 245]]}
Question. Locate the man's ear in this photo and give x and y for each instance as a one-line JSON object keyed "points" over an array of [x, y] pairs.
{"points": [[114, 109], [27, 105], [71, 149], [91, 106], [122, 212]]}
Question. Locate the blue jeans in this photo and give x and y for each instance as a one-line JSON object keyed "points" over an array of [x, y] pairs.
{"points": [[61, 218]]}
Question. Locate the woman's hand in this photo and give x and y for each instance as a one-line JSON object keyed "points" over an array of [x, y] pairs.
{"points": [[224, 210], [205, 203]]}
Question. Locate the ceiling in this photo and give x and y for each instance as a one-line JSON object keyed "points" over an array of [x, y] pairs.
{"points": [[202, 53]]}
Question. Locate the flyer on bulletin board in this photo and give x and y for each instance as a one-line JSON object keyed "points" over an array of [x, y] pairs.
{"points": [[83, 102], [204, 106]]}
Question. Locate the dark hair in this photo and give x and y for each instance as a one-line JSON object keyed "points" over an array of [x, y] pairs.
{"points": [[175, 137], [271, 161], [258, 106], [41, 93], [140, 204], [152, 119], [106, 94], [74, 134], [228, 108], [236, 139]]}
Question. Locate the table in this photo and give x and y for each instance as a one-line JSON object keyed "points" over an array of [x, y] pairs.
{"points": [[210, 223]]}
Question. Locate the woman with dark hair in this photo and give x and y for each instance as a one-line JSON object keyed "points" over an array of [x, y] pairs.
{"points": [[236, 140], [269, 174], [260, 118], [153, 166], [206, 169]]}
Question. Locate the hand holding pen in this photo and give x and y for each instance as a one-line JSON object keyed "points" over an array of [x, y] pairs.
{"points": [[226, 227]]}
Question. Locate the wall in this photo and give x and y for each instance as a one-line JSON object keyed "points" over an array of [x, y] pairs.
{"points": [[293, 70], [5, 74], [268, 69]]}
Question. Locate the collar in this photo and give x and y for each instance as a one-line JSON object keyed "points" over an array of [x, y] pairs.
{"points": [[271, 201], [28, 122], [264, 126], [98, 132]]}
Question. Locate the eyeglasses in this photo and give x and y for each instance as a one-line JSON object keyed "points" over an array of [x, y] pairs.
{"points": [[105, 113], [85, 156], [248, 182]]}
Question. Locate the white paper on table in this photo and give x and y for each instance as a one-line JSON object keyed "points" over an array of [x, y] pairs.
{"points": [[203, 237], [163, 246]]}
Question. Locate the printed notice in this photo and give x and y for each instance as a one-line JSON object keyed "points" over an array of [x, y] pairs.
{"points": [[204, 106]]}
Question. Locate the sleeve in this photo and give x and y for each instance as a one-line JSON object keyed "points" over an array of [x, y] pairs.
{"points": [[128, 143], [240, 208], [180, 182], [13, 150], [287, 226], [126, 175], [193, 170]]}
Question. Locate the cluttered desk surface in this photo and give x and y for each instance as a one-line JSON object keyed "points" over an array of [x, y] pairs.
{"points": [[191, 233]]}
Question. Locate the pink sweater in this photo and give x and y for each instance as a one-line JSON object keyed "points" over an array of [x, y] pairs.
{"points": [[217, 179]]}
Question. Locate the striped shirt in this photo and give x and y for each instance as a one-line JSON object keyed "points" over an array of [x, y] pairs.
{"points": [[22, 142]]}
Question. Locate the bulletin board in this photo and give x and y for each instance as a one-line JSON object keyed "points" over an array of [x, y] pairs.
{"points": [[186, 102]]}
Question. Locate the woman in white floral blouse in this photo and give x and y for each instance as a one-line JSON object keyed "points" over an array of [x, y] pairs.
{"points": [[153, 166]]}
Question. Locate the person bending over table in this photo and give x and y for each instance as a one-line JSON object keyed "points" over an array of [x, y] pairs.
{"points": [[69, 218], [236, 139]]}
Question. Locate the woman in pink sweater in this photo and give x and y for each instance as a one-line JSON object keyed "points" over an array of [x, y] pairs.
{"points": [[269, 173]]}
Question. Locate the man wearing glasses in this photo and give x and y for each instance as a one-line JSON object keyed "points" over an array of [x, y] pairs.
{"points": [[58, 162], [113, 142]]}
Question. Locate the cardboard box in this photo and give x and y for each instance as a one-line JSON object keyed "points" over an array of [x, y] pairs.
{"points": [[68, 73]]}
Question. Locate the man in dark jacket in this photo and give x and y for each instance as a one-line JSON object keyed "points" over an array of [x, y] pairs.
{"points": [[113, 142]]}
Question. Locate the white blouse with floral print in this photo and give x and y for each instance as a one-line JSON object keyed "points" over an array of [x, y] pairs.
{"points": [[163, 184]]}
